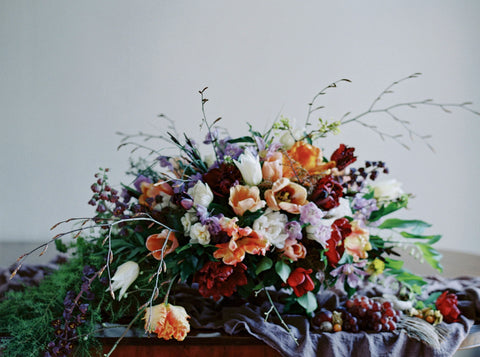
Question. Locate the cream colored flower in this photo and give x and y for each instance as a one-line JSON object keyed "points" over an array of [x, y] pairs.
{"points": [[245, 198], [271, 225], [387, 190], [125, 275], [199, 234], [250, 168]]}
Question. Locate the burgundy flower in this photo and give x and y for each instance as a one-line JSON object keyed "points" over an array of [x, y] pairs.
{"points": [[343, 157], [300, 281], [447, 304], [341, 228], [216, 279], [222, 178], [326, 193]]}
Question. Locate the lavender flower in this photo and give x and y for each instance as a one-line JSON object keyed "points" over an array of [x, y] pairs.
{"points": [[294, 230], [164, 162], [138, 182], [311, 214], [364, 207], [352, 272]]}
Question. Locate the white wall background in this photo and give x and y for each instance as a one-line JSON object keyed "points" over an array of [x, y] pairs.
{"points": [[72, 73]]}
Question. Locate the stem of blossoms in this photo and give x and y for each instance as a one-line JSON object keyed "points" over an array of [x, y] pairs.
{"points": [[267, 314]]}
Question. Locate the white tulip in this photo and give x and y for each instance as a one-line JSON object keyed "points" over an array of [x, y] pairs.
{"points": [[250, 168], [124, 277], [201, 193]]}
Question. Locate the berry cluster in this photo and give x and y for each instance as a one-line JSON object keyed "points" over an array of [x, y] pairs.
{"points": [[104, 196], [74, 315], [371, 170], [359, 313]]}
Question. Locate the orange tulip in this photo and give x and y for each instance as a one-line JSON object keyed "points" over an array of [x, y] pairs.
{"points": [[162, 244], [245, 198], [294, 249], [243, 240], [304, 157], [167, 321], [286, 195]]}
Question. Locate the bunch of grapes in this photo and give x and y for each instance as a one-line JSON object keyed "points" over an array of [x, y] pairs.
{"points": [[359, 313]]}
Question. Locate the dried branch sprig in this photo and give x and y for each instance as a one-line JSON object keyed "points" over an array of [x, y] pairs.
{"points": [[388, 110], [322, 92]]}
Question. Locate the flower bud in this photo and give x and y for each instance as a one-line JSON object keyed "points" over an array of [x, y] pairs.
{"points": [[202, 194], [387, 190]]}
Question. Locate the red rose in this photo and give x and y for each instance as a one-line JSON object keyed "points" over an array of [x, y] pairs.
{"points": [[300, 281], [216, 279], [222, 178], [343, 157], [447, 305], [341, 228], [326, 193]]}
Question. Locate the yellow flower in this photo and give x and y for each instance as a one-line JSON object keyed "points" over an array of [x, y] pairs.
{"points": [[167, 321], [376, 267]]}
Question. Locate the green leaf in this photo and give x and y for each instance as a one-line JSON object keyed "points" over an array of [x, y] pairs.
{"points": [[243, 139], [431, 255], [283, 270], [308, 302], [393, 264], [415, 224], [433, 238], [391, 207], [432, 298], [265, 264]]}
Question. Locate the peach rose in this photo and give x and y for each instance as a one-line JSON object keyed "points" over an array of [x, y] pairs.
{"points": [[286, 195], [167, 321], [304, 157], [294, 249], [154, 194], [357, 243], [162, 244], [245, 198], [272, 168]]}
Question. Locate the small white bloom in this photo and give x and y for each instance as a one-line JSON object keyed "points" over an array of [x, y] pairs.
{"points": [[271, 225], [164, 201], [250, 168], [388, 190], [210, 159], [199, 234], [201, 193], [187, 220], [124, 277]]}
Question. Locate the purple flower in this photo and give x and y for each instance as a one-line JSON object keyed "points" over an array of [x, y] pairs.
{"points": [[232, 150], [273, 148], [310, 213], [211, 136], [163, 160], [294, 230], [364, 207], [138, 182], [352, 272]]}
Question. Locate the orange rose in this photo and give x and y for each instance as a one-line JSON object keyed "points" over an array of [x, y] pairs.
{"points": [[294, 249], [304, 157], [245, 198], [272, 168], [152, 192], [244, 240], [162, 244], [357, 243], [167, 321], [286, 195]]}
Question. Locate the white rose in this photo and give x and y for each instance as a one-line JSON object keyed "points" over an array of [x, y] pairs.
{"points": [[271, 225], [187, 220], [201, 193], [250, 168], [388, 190], [199, 234]]}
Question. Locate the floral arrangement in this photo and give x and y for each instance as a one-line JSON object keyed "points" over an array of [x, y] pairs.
{"points": [[264, 211]]}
